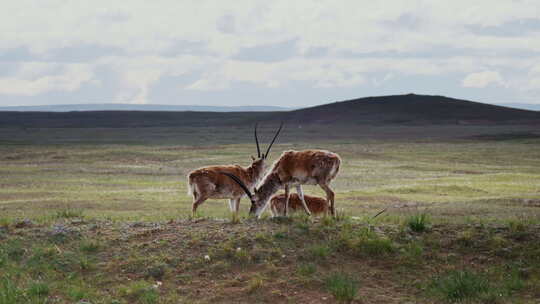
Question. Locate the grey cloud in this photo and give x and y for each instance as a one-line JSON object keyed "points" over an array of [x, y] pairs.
{"points": [[82, 53], [509, 29], [16, 54], [226, 24], [180, 47], [405, 21], [269, 53], [113, 17]]}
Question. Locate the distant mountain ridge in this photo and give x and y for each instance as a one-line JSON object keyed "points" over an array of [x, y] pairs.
{"points": [[410, 109], [140, 107]]}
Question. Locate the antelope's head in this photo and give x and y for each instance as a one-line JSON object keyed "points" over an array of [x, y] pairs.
{"points": [[256, 203], [259, 163]]}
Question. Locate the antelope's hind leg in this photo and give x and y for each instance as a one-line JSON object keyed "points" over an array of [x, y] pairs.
{"points": [[329, 198], [196, 203], [231, 205], [287, 194], [301, 195]]}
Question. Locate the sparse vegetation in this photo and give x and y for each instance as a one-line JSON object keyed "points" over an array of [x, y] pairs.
{"points": [[108, 223], [140, 292], [418, 222], [342, 286], [461, 285]]}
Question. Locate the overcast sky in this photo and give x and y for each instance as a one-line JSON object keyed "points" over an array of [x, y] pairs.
{"points": [[285, 53]]}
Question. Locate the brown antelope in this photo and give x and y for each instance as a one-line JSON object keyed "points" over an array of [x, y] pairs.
{"points": [[316, 205], [208, 182], [294, 168]]}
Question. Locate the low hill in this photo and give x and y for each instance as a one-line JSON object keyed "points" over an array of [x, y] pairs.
{"points": [[410, 109]]}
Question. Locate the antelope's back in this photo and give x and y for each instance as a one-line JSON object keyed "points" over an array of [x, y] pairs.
{"points": [[308, 166], [219, 183]]}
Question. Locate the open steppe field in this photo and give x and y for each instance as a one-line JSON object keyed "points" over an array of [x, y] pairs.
{"points": [[102, 216]]}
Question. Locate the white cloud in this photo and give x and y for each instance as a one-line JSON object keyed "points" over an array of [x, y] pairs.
{"points": [[356, 40], [28, 84], [482, 79]]}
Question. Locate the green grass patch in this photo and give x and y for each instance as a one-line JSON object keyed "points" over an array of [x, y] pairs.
{"points": [[140, 292], [342, 286], [461, 285], [69, 213], [418, 222], [319, 252]]}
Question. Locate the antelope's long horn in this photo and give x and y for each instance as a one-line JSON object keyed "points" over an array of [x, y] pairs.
{"points": [[239, 182], [257, 142], [271, 143]]}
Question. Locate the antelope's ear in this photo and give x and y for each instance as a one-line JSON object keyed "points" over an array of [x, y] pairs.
{"points": [[252, 158]]}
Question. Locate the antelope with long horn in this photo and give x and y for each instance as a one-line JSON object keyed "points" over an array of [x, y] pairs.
{"points": [[294, 168], [209, 182]]}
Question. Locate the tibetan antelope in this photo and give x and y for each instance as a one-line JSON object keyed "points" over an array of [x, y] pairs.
{"points": [[207, 182], [294, 168], [317, 205]]}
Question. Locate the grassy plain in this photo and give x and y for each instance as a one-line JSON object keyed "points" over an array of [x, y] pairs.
{"points": [[102, 215]]}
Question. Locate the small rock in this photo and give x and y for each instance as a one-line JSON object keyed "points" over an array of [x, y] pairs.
{"points": [[207, 257]]}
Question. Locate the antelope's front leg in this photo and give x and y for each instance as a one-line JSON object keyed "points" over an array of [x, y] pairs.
{"points": [[286, 200], [301, 195]]}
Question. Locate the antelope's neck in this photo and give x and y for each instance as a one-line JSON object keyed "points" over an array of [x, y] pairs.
{"points": [[270, 185], [255, 174]]}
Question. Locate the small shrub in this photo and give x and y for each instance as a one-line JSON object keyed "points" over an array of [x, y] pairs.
{"points": [[242, 256], [343, 287], [77, 293], [38, 289], [307, 269], [42, 258], [328, 221], [85, 263], [4, 223], [9, 292], [140, 291], [69, 213], [255, 284], [413, 251], [263, 238], [89, 246], [512, 281], [341, 216], [457, 286], [465, 238], [220, 267], [515, 226], [319, 251], [280, 235], [418, 222], [376, 247]]}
